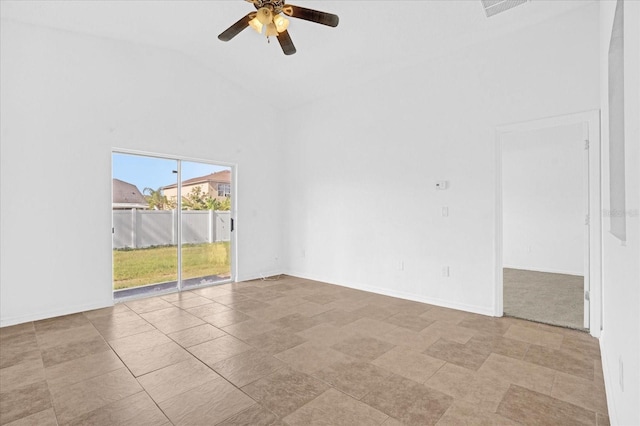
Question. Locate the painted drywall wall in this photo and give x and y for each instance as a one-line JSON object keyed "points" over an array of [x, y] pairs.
{"points": [[620, 341], [362, 206], [67, 101], [544, 202]]}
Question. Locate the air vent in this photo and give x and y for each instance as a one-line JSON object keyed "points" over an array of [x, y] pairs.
{"points": [[493, 7]]}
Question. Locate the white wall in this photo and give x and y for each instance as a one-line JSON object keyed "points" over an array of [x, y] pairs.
{"points": [[366, 161], [620, 341], [544, 199], [67, 100]]}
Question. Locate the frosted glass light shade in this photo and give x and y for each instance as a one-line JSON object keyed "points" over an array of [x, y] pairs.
{"points": [[265, 16], [281, 23], [256, 25]]}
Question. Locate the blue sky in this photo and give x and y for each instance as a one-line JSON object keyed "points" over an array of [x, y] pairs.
{"points": [[150, 172]]}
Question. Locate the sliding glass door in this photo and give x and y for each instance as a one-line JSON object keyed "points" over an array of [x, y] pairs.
{"points": [[171, 224]]}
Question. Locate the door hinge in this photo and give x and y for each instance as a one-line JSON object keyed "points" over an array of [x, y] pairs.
{"points": [[586, 144], [113, 230], [586, 219], [586, 295], [232, 224]]}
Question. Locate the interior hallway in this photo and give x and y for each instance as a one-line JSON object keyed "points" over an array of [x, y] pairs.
{"points": [[296, 352]]}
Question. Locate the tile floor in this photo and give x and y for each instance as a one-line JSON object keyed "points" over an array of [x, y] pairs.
{"points": [[295, 352]]}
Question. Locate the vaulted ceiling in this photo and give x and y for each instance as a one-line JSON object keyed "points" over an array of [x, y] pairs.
{"points": [[373, 38]]}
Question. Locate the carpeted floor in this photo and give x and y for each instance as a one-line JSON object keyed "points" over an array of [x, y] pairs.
{"points": [[544, 297]]}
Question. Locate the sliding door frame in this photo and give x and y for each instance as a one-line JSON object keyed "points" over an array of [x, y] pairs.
{"points": [[234, 200]]}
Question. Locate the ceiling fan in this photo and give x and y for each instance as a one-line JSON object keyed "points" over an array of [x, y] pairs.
{"points": [[269, 18]]}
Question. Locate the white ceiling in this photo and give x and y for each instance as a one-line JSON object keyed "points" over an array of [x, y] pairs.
{"points": [[373, 37]]}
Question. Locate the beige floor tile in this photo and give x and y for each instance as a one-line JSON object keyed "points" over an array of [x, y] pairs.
{"points": [[73, 350], [518, 372], [335, 408], [178, 296], [80, 369], [196, 335], [139, 341], [216, 350], [363, 347], [310, 357], [210, 292], [337, 317], [467, 385], [500, 345], [471, 355], [150, 359], [175, 379], [137, 409], [370, 326], [327, 334], [163, 314], [248, 306], [486, 325], [16, 330], [296, 322], [355, 378], [275, 341], [584, 393], [285, 391], [247, 367], [42, 418], [115, 330], [249, 328], [321, 299], [391, 422], [24, 401], [60, 323], [229, 298], [191, 302], [19, 353], [121, 315], [409, 364], [209, 309], [602, 420], [533, 408], [147, 305], [311, 309], [222, 319], [583, 343], [374, 312], [81, 398], [410, 339], [534, 336], [53, 338], [567, 362], [408, 401], [463, 413], [256, 415], [208, 404], [447, 315], [22, 374], [409, 321], [182, 322], [448, 331]]}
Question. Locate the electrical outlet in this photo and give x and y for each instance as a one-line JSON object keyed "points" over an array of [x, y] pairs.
{"points": [[401, 265], [445, 271]]}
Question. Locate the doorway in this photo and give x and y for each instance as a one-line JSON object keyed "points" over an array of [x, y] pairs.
{"points": [[172, 224], [547, 245]]}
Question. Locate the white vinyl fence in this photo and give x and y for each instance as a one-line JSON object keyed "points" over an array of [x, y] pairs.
{"points": [[145, 228]]}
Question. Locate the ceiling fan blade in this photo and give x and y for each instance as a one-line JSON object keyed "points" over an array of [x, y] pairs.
{"points": [[236, 28], [285, 42], [311, 15]]}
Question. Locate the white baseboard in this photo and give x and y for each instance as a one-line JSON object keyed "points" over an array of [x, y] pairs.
{"points": [[608, 377], [402, 295], [548, 270], [67, 310]]}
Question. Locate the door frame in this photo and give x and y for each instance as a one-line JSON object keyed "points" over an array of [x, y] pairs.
{"points": [[591, 125], [234, 201]]}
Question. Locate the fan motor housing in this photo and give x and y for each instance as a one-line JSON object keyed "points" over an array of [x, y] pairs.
{"points": [[275, 5]]}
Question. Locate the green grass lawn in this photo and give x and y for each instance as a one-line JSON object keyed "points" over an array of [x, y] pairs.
{"points": [[136, 267]]}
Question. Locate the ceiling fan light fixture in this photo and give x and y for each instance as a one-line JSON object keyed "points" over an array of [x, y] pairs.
{"points": [[265, 15], [256, 25], [281, 23], [271, 30]]}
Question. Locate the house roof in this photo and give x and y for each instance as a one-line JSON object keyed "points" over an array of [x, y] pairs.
{"points": [[223, 176], [127, 195]]}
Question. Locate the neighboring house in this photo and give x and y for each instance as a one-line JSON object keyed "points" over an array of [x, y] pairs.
{"points": [[127, 196], [216, 185]]}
